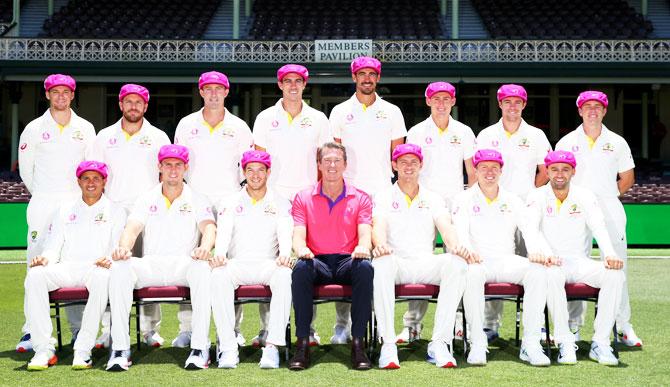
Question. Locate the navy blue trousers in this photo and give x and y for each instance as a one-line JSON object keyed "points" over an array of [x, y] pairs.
{"points": [[332, 269]]}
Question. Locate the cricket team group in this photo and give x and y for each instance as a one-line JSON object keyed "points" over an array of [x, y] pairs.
{"points": [[125, 209]]}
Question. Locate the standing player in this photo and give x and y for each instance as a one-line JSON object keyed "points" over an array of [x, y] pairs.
{"points": [[369, 128], [129, 148], [523, 148], [179, 234], [487, 216], [447, 146], [606, 167], [404, 222], [562, 215], [76, 254], [216, 140], [50, 149], [253, 246], [291, 131]]}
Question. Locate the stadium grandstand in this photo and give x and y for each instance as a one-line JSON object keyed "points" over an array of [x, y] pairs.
{"points": [[554, 48]]}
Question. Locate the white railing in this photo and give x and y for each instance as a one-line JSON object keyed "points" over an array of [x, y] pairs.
{"points": [[406, 51]]}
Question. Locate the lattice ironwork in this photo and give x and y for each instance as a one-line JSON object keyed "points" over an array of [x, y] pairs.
{"points": [[406, 51]]}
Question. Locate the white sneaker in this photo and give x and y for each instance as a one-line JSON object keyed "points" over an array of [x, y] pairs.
{"points": [[440, 355], [259, 340], [24, 345], [153, 339], [240, 339], [228, 359], [407, 335], [82, 360], [270, 357], [341, 335], [567, 353], [104, 340], [42, 360], [477, 355], [629, 338], [119, 361], [198, 359], [534, 355], [388, 357], [314, 339], [183, 340], [603, 355]]}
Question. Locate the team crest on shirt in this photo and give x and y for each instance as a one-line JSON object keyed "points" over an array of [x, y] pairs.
{"points": [[423, 204], [185, 209], [350, 117], [77, 135], [504, 208], [381, 115], [194, 131], [608, 147], [33, 236], [429, 140], [228, 132], [112, 141], [153, 208], [145, 141], [574, 210], [550, 211], [46, 136], [476, 209], [524, 143], [270, 209], [455, 140], [100, 218], [575, 148], [395, 205], [72, 218], [275, 123], [495, 143], [305, 123], [239, 209], [23, 147]]}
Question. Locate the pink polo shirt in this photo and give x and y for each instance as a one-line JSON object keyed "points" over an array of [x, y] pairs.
{"points": [[332, 227]]}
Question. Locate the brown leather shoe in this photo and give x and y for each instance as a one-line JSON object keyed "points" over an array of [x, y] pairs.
{"points": [[300, 360], [359, 360]]}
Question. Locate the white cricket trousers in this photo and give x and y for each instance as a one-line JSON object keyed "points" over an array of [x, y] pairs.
{"points": [[225, 279], [615, 220], [40, 280], [154, 270], [593, 273], [445, 270], [513, 269]]}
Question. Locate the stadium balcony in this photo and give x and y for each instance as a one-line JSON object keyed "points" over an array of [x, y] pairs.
{"points": [[562, 19], [309, 20], [126, 19]]}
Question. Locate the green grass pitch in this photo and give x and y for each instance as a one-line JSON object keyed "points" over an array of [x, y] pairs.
{"points": [[650, 295]]}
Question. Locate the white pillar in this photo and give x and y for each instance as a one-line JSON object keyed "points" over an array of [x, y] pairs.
{"points": [[247, 8], [454, 19], [236, 19], [50, 7]]}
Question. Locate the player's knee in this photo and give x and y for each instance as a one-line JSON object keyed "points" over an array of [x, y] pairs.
{"points": [[362, 269]]}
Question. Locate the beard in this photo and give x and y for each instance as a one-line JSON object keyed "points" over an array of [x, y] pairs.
{"points": [[133, 118]]}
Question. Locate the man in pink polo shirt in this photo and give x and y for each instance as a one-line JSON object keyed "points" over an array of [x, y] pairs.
{"points": [[332, 238]]}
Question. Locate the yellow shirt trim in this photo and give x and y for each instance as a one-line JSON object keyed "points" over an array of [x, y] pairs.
{"points": [[509, 135], [365, 107], [128, 135], [61, 128], [290, 118], [212, 128], [489, 201], [253, 201], [167, 202], [559, 203], [443, 131], [591, 142], [408, 200]]}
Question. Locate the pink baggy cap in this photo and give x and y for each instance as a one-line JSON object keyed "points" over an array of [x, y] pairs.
{"points": [[134, 89], [407, 149], [174, 151], [92, 165], [437, 87], [292, 68], [487, 155], [54, 80], [255, 156], [592, 95], [363, 62], [213, 77], [560, 156], [512, 90]]}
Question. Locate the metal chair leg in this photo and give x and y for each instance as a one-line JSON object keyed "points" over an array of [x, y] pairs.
{"points": [[58, 326], [546, 327], [518, 321], [465, 331], [137, 324]]}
